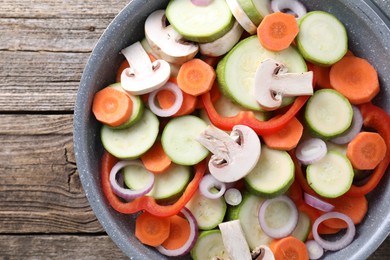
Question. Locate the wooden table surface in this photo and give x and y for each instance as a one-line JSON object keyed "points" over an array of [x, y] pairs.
{"points": [[44, 214]]}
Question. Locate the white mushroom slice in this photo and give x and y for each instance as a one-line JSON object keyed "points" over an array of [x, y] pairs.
{"points": [[272, 83], [241, 16], [143, 76], [174, 67], [224, 44], [234, 155], [262, 252], [234, 240], [166, 41]]}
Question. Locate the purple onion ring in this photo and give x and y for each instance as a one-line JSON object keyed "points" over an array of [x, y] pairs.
{"points": [[288, 227], [191, 240], [201, 2], [311, 150], [344, 241], [156, 109], [209, 182], [125, 193], [317, 203], [353, 130], [293, 7]]}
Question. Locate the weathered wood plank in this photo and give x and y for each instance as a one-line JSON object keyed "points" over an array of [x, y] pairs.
{"points": [[382, 252], [39, 81], [58, 247], [51, 34], [44, 46], [61, 8], [37, 124], [40, 190]]}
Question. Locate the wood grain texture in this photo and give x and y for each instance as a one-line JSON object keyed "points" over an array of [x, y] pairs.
{"points": [[59, 247], [40, 190], [44, 46]]}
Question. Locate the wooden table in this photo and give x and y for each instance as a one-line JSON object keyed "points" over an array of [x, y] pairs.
{"points": [[44, 213]]}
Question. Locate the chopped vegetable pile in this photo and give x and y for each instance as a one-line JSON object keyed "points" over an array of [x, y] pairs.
{"points": [[242, 129]]}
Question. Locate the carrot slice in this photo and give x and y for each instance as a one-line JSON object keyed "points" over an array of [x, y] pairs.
{"points": [[155, 159], [287, 138], [188, 106], [354, 207], [313, 214], [166, 99], [152, 230], [289, 248], [112, 107], [124, 65], [196, 77], [179, 233], [355, 78], [295, 192], [322, 76], [366, 150], [277, 31]]}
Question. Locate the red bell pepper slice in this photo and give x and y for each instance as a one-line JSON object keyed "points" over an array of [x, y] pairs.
{"points": [[376, 118], [147, 203], [248, 117]]}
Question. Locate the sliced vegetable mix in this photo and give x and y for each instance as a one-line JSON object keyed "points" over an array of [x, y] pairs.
{"points": [[212, 128]]}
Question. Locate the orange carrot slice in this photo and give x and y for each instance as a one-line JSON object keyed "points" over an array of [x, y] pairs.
{"points": [[355, 78], [112, 107], [166, 99], [287, 138], [124, 65], [152, 230], [354, 207], [366, 150], [289, 248], [322, 76], [155, 159], [179, 233], [277, 31], [196, 77]]}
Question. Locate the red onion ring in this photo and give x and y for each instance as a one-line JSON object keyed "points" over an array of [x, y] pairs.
{"points": [[209, 182], [201, 2], [233, 196], [292, 6], [288, 227], [191, 240], [314, 249], [317, 203], [344, 241], [311, 150], [125, 193], [174, 108], [353, 130]]}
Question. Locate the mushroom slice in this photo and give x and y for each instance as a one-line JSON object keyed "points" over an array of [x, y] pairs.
{"points": [[234, 240], [166, 41], [273, 82], [143, 76], [262, 252], [234, 155], [224, 44]]}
